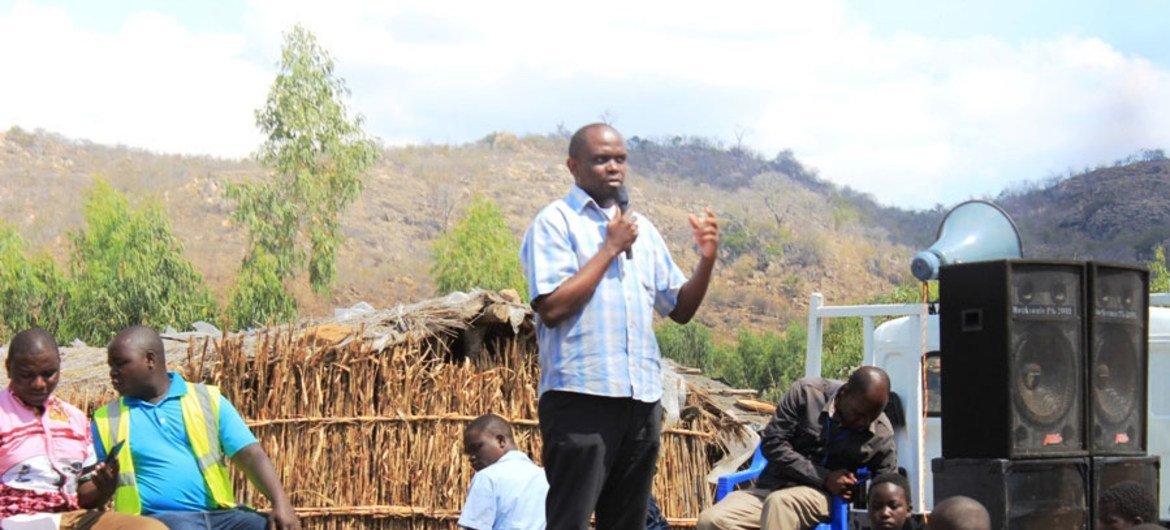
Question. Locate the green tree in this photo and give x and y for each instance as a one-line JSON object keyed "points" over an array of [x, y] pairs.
{"points": [[689, 344], [479, 251], [319, 155], [766, 362], [843, 343], [32, 290], [127, 268], [1159, 276], [909, 292], [841, 350], [259, 296]]}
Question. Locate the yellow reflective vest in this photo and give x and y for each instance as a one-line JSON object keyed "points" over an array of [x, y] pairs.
{"points": [[200, 407]]}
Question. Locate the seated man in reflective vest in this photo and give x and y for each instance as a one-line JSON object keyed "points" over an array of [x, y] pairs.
{"points": [[178, 434], [50, 475]]}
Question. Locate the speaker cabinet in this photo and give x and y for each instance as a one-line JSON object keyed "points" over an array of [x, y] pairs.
{"points": [[1118, 358], [1037, 494], [1109, 470], [1012, 347]]}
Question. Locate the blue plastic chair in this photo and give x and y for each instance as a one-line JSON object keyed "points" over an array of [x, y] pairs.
{"points": [[727, 483], [838, 508]]}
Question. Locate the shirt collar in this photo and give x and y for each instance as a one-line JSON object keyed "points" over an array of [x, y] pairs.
{"points": [[512, 454], [178, 389], [830, 407], [578, 199], [178, 385]]}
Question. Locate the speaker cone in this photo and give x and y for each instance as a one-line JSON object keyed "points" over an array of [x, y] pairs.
{"points": [[1115, 374], [1046, 377]]}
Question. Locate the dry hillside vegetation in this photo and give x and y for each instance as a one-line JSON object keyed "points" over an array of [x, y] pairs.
{"points": [[416, 192], [1118, 213]]}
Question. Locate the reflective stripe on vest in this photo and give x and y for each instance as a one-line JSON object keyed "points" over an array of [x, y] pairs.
{"points": [[111, 429], [200, 406]]}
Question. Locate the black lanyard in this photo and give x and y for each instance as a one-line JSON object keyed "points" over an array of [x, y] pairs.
{"points": [[828, 436]]}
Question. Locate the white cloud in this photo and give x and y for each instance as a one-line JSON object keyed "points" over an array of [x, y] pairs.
{"points": [[945, 120], [910, 119], [152, 84]]}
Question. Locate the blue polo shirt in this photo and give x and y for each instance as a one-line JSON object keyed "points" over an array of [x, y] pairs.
{"points": [[168, 475]]}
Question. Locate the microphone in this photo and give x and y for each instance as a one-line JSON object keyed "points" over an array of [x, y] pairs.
{"points": [[622, 195]]}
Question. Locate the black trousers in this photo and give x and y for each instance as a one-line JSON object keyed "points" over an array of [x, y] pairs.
{"points": [[599, 456]]}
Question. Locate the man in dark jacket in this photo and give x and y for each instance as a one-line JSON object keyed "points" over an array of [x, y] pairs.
{"points": [[822, 432]]}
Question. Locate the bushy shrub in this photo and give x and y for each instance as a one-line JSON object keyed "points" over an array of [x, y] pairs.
{"points": [[766, 361], [32, 289], [479, 251], [127, 268], [841, 350], [259, 296], [688, 344]]}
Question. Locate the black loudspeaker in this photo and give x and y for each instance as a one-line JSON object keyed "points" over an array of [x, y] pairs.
{"points": [[1012, 355], [1118, 358], [1109, 470], [1037, 494]]}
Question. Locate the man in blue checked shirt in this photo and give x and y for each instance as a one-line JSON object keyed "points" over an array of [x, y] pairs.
{"points": [[597, 275]]}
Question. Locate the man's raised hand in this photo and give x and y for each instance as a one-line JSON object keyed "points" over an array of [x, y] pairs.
{"points": [[706, 232]]}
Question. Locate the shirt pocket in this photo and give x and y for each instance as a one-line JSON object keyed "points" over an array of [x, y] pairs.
{"points": [[645, 275]]}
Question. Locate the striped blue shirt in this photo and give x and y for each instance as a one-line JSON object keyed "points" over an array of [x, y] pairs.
{"points": [[608, 348]]}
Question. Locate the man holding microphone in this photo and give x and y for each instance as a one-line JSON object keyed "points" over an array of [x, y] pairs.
{"points": [[597, 274]]}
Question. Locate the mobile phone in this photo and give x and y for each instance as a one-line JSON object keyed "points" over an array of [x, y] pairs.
{"points": [[112, 454]]}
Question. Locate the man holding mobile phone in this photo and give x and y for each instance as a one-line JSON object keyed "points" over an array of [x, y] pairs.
{"points": [[64, 487], [178, 436], [110, 461]]}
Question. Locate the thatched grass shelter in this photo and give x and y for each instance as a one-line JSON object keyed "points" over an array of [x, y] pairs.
{"points": [[363, 416]]}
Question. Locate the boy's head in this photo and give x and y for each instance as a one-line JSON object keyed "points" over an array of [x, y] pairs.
{"points": [[486, 439], [889, 501], [1125, 505], [959, 513]]}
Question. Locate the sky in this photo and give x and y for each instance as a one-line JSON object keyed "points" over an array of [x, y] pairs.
{"points": [[918, 103]]}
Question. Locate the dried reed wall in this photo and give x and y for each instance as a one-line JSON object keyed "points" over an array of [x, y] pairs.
{"points": [[366, 438]]}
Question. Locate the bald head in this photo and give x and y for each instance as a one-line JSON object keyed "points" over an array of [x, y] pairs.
{"points": [[577, 142], [138, 363], [869, 379], [863, 398], [139, 341], [959, 513], [30, 343]]}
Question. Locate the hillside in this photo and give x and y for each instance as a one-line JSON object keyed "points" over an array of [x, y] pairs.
{"points": [[1114, 213], [788, 233], [1117, 213]]}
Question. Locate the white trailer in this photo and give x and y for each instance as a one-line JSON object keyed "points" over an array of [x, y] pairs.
{"points": [[907, 347]]}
